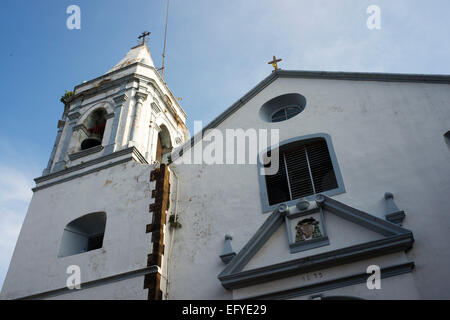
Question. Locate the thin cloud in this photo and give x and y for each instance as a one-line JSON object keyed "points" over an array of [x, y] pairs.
{"points": [[14, 185]]}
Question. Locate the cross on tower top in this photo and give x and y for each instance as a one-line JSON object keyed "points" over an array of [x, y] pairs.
{"points": [[143, 35], [274, 62]]}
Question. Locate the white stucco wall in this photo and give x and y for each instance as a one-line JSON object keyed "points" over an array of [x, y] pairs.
{"points": [[388, 136], [123, 192], [405, 285], [128, 289], [401, 287]]}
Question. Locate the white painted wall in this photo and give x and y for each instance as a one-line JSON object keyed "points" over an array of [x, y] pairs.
{"points": [[405, 286], [400, 287], [128, 289], [123, 192], [388, 136], [71, 242]]}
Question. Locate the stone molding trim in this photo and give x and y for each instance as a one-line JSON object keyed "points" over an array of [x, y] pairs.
{"points": [[86, 93], [394, 214], [110, 115], [134, 155], [141, 96], [94, 283], [396, 217], [86, 164], [395, 239], [73, 116], [158, 209], [84, 173], [387, 272], [120, 99], [80, 126], [83, 153]]}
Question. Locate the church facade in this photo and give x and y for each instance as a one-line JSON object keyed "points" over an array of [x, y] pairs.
{"points": [[361, 189]]}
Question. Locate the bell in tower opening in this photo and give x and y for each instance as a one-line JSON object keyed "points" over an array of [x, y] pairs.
{"points": [[94, 127]]}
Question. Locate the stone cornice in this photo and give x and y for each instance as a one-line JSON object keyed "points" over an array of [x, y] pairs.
{"points": [[112, 83], [364, 76], [386, 272], [141, 96], [86, 94], [120, 99], [131, 150], [109, 115], [83, 173], [80, 126], [90, 284], [86, 152], [74, 115]]}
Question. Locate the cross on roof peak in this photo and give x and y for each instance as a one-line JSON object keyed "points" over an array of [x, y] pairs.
{"points": [[143, 35], [274, 62]]}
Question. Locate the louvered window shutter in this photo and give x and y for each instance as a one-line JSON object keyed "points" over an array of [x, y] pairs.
{"points": [[303, 171], [322, 171], [277, 184], [298, 171]]}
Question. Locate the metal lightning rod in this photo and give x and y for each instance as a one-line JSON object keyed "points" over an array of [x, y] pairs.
{"points": [[165, 38]]}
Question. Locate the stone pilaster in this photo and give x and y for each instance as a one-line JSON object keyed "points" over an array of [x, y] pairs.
{"points": [[73, 118], [61, 124], [119, 103], [140, 97]]}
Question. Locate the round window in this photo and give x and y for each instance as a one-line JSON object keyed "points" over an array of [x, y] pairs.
{"points": [[285, 113], [283, 107]]}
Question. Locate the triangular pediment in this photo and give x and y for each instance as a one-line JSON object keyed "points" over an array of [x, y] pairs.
{"points": [[340, 232], [325, 233]]}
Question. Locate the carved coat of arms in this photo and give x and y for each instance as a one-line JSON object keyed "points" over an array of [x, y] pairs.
{"points": [[307, 229]]}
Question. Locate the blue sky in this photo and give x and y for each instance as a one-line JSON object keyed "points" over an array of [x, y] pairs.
{"points": [[216, 51]]}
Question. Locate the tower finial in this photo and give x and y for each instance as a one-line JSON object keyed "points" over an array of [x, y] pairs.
{"points": [[143, 35]]}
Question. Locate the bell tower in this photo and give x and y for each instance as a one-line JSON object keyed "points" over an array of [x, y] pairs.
{"points": [[90, 208], [128, 107]]}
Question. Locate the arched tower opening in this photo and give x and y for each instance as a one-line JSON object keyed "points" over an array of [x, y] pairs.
{"points": [[164, 146], [95, 128], [83, 234]]}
